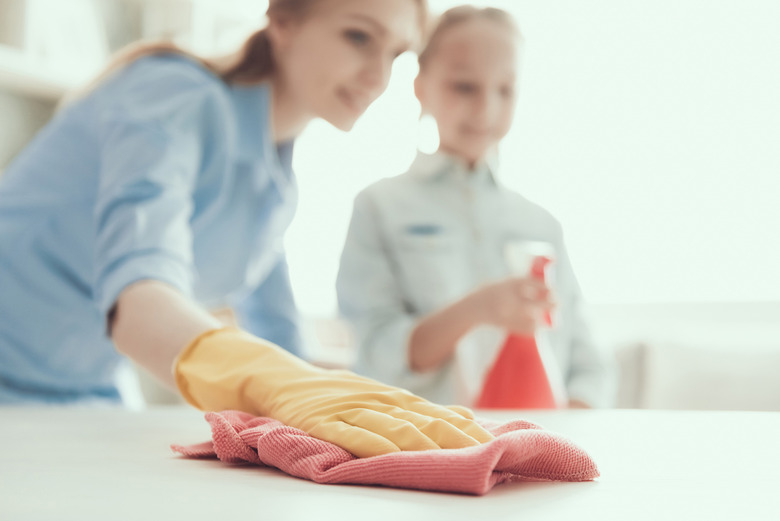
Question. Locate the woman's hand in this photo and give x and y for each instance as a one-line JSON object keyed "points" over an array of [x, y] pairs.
{"points": [[515, 304], [231, 369]]}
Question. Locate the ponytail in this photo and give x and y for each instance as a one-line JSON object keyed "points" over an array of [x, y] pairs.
{"points": [[255, 63]]}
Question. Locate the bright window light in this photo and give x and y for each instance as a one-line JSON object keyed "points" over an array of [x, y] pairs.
{"points": [[649, 129]]}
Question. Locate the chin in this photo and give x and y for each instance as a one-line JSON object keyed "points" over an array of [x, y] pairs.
{"points": [[473, 154], [342, 123], [482, 149]]}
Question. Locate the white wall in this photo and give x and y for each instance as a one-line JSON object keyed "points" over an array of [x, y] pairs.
{"points": [[649, 128]]}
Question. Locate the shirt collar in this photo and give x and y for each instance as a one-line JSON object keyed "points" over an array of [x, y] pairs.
{"points": [[252, 108], [443, 167]]}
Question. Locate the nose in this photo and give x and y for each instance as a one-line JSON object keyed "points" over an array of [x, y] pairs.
{"points": [[486, 108]]}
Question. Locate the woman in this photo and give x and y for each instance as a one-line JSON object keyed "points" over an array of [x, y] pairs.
{"points": [[424, 275], [165, 191]]}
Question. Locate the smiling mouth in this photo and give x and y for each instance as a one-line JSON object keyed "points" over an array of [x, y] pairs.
{"points": [[477, 133]]}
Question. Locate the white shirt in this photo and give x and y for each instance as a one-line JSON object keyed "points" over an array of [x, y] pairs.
{"points": [[421, 240]]}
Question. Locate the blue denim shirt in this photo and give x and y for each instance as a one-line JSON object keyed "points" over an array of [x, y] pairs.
{"points": [[163, 172]]}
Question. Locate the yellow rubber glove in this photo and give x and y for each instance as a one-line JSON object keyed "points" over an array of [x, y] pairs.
{"points": [[232, 369]]}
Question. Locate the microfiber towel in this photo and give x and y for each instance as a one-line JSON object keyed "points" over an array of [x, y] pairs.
{"points": [[521, 451]]}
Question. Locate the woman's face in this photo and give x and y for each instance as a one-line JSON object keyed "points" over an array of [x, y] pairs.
{"points": [[334, 63], [468, 85]]}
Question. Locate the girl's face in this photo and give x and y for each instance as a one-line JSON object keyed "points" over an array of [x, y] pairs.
{"points": [[468, 85], [334, 63]]}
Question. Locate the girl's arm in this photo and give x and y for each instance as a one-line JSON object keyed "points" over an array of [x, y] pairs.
{"points": [[435, 337], [515, 304]]}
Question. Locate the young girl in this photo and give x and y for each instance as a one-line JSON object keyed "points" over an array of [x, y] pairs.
{"points": [[165, 191], [424, 278]]}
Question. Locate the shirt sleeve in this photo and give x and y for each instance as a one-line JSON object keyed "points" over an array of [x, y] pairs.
{"points": [[154, 125], [370, 298], [590, 375], [270, 311]]}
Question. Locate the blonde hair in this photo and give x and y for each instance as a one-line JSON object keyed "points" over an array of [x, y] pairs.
{"points": [[459, 15], [253, 63]]}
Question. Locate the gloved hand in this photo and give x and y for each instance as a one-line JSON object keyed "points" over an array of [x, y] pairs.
{"points": [[232, 369]]}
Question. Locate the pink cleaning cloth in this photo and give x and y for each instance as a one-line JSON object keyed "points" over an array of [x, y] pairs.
{"points": [[521, 451]]}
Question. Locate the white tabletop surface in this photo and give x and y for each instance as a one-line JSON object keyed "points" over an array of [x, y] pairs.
{"points": [[110, 464]]}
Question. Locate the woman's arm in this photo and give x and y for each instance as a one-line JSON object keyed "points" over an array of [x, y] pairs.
{"points": [[154, 121], [153, 322], [225, 368]]}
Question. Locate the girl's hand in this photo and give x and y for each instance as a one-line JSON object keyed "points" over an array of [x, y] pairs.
{"points": [[517, 304]]}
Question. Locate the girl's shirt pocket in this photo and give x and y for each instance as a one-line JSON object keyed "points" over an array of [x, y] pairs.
{"points": [[432, 264]]}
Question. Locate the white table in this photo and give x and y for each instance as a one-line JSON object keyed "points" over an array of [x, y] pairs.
{"points": [[106, 464]]}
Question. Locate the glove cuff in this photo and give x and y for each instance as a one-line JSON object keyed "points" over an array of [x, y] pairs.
{"points": [[181, 365]]}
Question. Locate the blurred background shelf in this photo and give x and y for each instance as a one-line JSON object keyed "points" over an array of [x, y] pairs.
{"points": [[24, 76], [51, 47]]}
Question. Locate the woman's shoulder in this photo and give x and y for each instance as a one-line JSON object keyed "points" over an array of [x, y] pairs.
{"points": [[168, 74], [161, 76], [156, 86]]}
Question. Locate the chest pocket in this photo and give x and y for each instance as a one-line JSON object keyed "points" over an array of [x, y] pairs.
{"points": [[432, 265]]}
